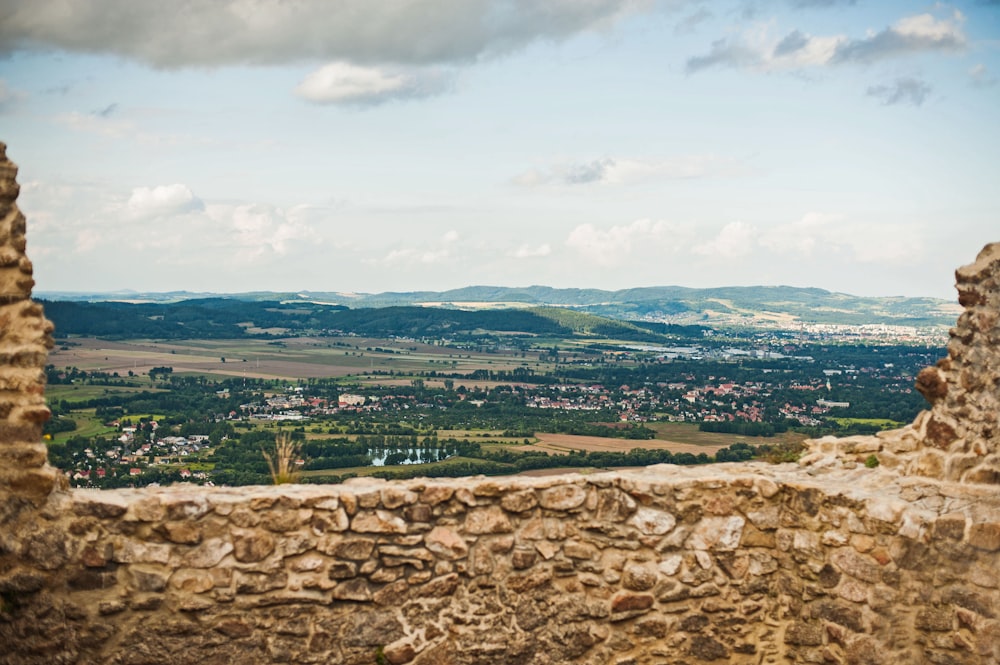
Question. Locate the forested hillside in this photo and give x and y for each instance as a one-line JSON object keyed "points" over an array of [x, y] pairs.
{"points": [[226, 318]]}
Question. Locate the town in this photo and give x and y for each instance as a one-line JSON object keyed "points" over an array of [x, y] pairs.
{"points": [[176, 427]]}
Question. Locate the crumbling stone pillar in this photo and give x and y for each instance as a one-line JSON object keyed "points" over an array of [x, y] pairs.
{"points": [[961, 432], [25, 337], [26, 479], [958, 438]]}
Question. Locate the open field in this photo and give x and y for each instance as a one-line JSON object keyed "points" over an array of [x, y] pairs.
{"points": [[87, 425], [560, 471], [288, 359], [884, 423], [562, 444], [73, 393], [675, 437], [689, 433]]}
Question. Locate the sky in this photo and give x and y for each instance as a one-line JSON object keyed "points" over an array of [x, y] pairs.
{"points": [[398, 145]]}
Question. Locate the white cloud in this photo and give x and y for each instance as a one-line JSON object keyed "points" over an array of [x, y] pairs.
{"points": [[800, 238], [759, 48], [260, 228], [628, 171], [614, 245], [163, 200], [225, 32], [817, 234], [531, 252], [734, 240], [434, 253], [160, 225], [344, 83]]}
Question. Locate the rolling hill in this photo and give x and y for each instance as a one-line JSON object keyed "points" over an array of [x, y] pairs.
{"points": [[754, 306]]}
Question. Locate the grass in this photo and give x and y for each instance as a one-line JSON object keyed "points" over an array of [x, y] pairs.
{"points": [[87, 425], [81, 393], [282, 464], [689, 433], [136, 417], [882, 423]]}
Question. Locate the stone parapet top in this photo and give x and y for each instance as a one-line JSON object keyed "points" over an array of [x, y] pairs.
{"points": [[829, 473]]}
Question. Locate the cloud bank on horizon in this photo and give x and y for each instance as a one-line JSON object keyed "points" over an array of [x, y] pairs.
{"points": [[230, 145]]}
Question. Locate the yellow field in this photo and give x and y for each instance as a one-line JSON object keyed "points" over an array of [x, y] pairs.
{"points": [[561, 444]]}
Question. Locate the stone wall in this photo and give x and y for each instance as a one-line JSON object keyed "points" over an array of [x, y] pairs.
{"points": [[729, 563], [826, 561]]}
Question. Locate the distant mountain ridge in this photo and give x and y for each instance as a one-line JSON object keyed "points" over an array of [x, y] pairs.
{"points": [[775, 306]]}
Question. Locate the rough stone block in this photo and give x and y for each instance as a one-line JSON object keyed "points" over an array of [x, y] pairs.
{"points": [[653, 522], [562, 497], [446, 542], [985, 536], [379, 521], [488, 520]]}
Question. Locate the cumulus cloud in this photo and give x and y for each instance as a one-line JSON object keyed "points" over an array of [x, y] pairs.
{"points": [[758, 48], [817, 234], [914, 34], [801, 237], [901, 91], [734, 240], [163, 200], [531, 252], [261, 228], [344, 83], [614, 245], [164, 224], [225, 32], [436, 252], [625, 171]]}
